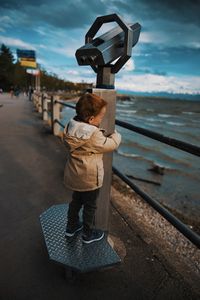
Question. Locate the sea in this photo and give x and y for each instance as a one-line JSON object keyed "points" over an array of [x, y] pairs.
{"points": [[177, 187]]}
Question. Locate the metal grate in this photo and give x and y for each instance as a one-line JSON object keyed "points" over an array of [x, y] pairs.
{"points": [[71, 252]]}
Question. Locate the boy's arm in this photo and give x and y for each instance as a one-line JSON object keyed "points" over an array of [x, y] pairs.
{"points": [[102, 144]]}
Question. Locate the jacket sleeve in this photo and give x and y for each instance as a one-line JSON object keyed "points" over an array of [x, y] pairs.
{"points": [[101, 144]]}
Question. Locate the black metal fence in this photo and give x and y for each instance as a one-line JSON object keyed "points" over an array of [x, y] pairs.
{"points": [[195, 150]]}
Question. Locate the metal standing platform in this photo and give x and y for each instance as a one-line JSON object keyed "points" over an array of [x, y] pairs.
{"points": [[71, 252]]}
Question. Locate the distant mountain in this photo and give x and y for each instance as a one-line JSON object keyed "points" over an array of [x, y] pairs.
{"points": [[162, 95]]}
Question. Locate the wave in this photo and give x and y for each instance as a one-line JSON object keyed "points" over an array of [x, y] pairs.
{"points": [[160, 154], [188, 112], [126, 111], [151, 161], [150, 109], [164, 115], [127, 154], [176, 123], [124, 104], [151, 119]]}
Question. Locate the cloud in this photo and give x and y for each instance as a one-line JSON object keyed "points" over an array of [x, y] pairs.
{"points": [[68, 48], [13, 4], [159, 83], [163, 22], [6, 22], [41, 30], [16, 43], [169, 42], [129, 66], [184, 11], [172, 34], [72, 72], [59, 14]]}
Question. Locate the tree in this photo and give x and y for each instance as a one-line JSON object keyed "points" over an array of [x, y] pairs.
{"points": [[13, 74], [20, 76], [6, 68]]}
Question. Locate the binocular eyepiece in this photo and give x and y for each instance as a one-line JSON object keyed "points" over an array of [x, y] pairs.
{"points": [[115, 44]]}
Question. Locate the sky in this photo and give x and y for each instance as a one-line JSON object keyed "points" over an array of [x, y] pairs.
{"points": [[166, 58]]}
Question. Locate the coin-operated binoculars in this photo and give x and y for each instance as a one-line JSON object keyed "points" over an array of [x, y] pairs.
{"points": [[106, 55], [116, 44]]}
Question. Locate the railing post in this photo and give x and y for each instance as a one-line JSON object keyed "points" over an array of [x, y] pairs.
{"points": [[39, 103], [49, 111], [44, 107], [42, 101], [55, 115], [33, 98]]}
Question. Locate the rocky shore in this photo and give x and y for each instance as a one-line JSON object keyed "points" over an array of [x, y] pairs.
{"points": [[156, 230]]}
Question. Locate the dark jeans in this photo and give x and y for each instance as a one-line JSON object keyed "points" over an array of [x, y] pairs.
{"points": [[88, 201]]}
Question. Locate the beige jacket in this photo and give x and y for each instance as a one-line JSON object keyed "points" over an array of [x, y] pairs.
{"points": [[86, 143]]}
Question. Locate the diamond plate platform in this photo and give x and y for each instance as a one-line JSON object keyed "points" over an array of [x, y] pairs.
{"points": [[71, 252]]}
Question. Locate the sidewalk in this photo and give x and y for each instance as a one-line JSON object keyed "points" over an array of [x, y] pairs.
{"points": [[31, 174]]}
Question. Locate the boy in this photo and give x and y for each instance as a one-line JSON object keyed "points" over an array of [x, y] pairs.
{"points": [[84, 169]]}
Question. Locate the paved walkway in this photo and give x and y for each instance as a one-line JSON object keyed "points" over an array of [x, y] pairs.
{"points": [[31, 172]]}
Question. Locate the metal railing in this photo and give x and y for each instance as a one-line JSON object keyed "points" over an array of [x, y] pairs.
{"points": [[195, 150]]}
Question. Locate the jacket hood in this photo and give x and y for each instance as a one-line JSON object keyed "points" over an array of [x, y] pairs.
{"points": [[77, 133]]}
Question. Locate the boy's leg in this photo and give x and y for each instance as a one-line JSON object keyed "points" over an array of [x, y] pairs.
{"points": [[74, 208], [89, 200]]}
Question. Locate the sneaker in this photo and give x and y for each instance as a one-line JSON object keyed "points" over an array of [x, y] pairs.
{"points": [[71, 232], [95, 236]]}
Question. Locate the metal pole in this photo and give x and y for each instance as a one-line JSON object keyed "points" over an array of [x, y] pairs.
{"points": [[184, 229]]}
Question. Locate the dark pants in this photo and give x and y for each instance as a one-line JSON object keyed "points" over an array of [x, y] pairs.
{"points": [[88, 201]]}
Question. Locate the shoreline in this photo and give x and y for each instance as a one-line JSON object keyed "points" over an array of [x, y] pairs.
{"points": [[189, 221], [156, 230]]}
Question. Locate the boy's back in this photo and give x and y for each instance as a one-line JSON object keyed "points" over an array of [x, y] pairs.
{"points": [[86, 144]]}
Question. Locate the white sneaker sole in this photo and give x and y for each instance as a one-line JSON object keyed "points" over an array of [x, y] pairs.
{"points": [[94, 240], [72, 234]]}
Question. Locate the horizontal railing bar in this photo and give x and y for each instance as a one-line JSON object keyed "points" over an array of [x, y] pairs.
{"points": [[195, 150], [56, 121], [64, 104], [184, 229]]}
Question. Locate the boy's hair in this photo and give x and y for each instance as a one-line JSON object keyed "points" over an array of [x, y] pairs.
{"points": [[89, 105]]}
